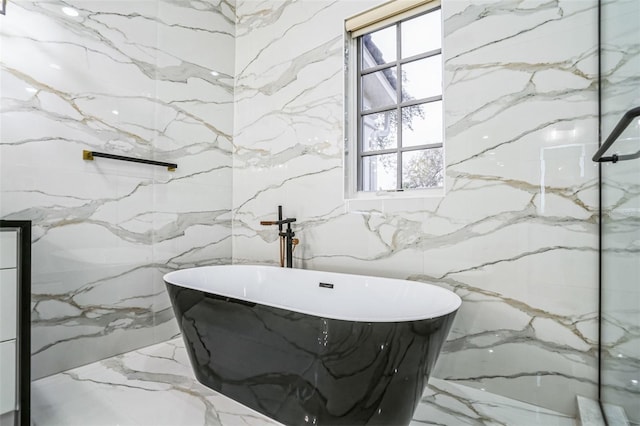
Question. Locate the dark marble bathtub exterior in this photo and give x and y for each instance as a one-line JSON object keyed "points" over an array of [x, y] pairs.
{"points": [[300, 369]]}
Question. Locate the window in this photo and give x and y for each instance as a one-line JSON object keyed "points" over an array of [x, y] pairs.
{"points": [[398, 114]]}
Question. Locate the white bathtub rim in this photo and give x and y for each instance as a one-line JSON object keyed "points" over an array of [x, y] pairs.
{"points": [[289, 297]]}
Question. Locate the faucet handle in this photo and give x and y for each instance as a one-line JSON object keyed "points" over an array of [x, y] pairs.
{"points": [[278, 222]]}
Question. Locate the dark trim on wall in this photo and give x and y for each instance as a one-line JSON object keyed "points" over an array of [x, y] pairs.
{"points": [[24, 318]]}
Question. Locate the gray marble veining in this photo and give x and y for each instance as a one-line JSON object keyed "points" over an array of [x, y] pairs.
{"points": [[515, 230], [621, 214], [155, 385], [130, 78], [248, 98]]}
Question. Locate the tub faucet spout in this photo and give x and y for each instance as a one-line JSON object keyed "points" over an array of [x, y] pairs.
{"points": [[287, 242]]}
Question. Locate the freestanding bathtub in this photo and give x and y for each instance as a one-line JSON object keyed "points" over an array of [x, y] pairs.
{"points": [[312, 348]]}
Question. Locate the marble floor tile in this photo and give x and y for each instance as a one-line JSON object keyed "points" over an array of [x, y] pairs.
{"points": [[155, 386], [450, 404]]}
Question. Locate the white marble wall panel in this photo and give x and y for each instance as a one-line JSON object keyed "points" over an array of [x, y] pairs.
{"points": [[515, 233], [620, 292], [621, 210], [150, 79]]}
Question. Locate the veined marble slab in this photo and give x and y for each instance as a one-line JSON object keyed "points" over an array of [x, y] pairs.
{"points": [[621, 210], [147, 79], [589, 412], [514, 231], [155, 385]]}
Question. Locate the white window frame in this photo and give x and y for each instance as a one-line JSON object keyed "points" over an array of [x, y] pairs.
{"points": [[369, 21]]}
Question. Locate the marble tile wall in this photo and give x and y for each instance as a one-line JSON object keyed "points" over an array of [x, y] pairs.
{"points": [[515, 233], [621, 210], [146, 78]]}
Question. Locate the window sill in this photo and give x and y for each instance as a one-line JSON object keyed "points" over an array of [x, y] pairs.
{"points": [[391, 195]]}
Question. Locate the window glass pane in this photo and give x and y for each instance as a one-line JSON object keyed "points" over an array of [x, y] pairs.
{"points": [[379, 47], [385, 91], [422, 79], [422, 124], [380, 131], [421, 34], [379, 89], [379, 172], [423, 169]]}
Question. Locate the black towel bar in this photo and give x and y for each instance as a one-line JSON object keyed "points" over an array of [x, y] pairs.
{"points": [[88, 155]]}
